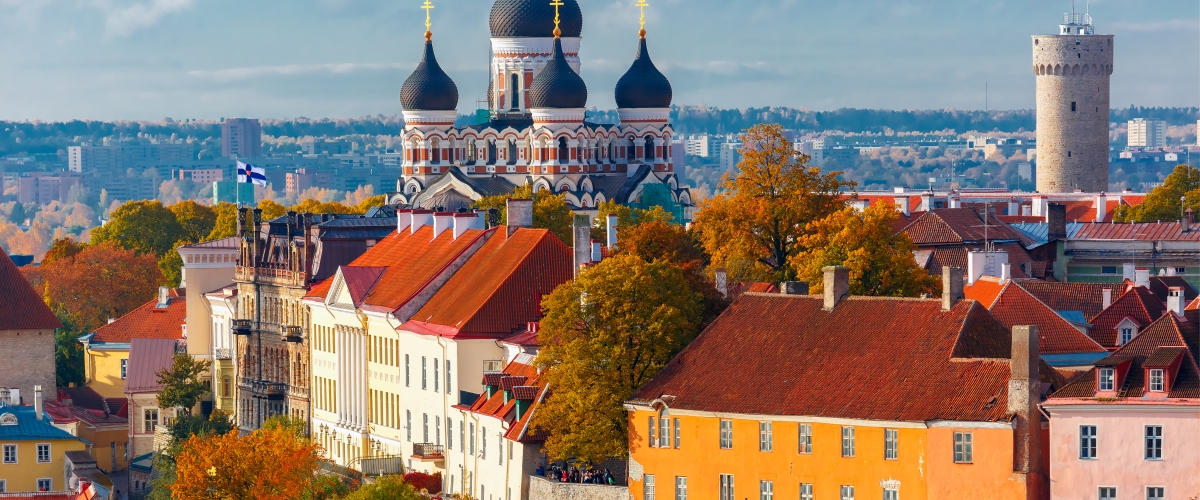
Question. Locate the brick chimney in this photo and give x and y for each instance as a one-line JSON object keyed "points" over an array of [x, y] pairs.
{"points": [[1024, 394], [952, 287], [837, 285], [520, 214], [1056, 221], [582, 233], [1188, 219]]}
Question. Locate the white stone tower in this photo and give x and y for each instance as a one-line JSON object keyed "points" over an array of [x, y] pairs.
{"points": [[1073, 69]]}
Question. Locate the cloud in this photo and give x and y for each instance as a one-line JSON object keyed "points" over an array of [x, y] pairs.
{"points": [[26, 12], [250, 73], [124, 20]]}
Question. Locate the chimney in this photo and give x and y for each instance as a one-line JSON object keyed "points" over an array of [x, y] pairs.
{"points": [[1107, 298], [1039, 206], [927, 201], [403, 220], [4, 395], [1101, 206], [583, 240], [793, 288], [836, 284], [1169, 270], [1024, 394], [1056, 221], [164, 296], [1127, 271], [1005, 271], [1175, 300], [520, 214], [1014, 206], [902, 205], [952, 287], [420, 219], [597, 251], [1188, 219], [955, 201], [466, 222], [611, 222], [722, 282], [1142, 278], [441, 222], [37, 401]]}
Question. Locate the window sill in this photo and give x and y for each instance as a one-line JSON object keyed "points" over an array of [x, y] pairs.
{"points": [[1154, 460]]}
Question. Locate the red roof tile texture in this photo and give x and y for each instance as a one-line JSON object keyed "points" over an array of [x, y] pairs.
{"points": [[531, 391], [1149, 231], [1168, 331], [21, 308], [868, 358], [956, 226], [148, 321], [1087, 298], [1015, 306], [1137, 303]]}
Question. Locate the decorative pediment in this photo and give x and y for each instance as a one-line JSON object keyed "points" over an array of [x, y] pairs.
{"points": [[8, 419]]}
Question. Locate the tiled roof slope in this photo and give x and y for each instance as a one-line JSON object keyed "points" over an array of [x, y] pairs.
{"points": [[869, 358], [956, 226], [148, 321], [518, 430], [1141, 231], [1137, 303], [1014, 306], [500, 288], [146, 358], [21, 308], [1087, 298], [1168, 331], [1161, 285], [956, 256]]}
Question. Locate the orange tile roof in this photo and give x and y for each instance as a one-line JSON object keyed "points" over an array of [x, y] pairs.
{"points": [[21, 308], [500, 288], [1016, 306], [531, 385], [985, 290], [869, 358], [1137, 303], [148, 321], [957, 226]]}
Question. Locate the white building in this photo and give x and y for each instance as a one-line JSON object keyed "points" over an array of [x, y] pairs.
{"points": [[731, 155], [87, 158], [1147, 133], [705, 145]]}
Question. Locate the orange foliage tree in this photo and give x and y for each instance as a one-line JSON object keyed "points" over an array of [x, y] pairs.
{"points": [[659, 240], [97, 283], [268, 464]]}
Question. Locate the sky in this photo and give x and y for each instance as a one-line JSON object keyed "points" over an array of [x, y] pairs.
{"points": [[208, 59]]}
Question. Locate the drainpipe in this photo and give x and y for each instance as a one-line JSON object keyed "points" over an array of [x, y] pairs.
{"points": [[365, 393]]}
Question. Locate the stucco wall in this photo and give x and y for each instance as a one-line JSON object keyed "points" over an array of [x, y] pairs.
{"points": [[23, 475], [543, 489], [104, 371], [1120, 458], [27, 358]]}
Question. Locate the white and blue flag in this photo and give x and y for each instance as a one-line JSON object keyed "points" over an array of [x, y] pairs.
{"points": [[250, 174]]}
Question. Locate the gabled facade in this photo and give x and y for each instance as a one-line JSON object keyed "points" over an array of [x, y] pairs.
{"points": [[106, 351], [1122, 321], [1130, 425]]}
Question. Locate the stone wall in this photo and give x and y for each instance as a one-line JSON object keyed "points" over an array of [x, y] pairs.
{"points": [[1072, 74], [26, 360], [541, 488]]}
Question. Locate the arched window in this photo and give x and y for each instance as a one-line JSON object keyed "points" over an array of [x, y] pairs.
{"points": [[436, 145], [632, 152], [649, 148], [515, 91], [491, 151], [512, 151], [564, 155]]}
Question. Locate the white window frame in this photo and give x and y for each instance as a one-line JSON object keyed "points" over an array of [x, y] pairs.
{"points": [[766, 490], [1161, 493], [652, 431], [124, 368], [806, 491], [891, 444], [891, 494], [664, 430], [765, 437], [648, 487], [408, 424], [3, 486], [726, 427], [1101, 490], [680, 487], [848, 441], [1126, 335], [847, 492], [424, 373], [677, 433], [146, 419], [728, 492], [964, 447], [1091, 446], [1158, 378], [1156, 440], [15, 454], [1107, 378], [49, 484], [804, 431], [437, 383], [49, 455]]}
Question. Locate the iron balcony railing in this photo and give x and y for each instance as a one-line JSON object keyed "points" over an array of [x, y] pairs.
{"points": [[293, 334], [428, 451], [242, 326]]}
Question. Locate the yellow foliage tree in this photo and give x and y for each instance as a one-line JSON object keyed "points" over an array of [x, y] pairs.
{"points": [[268, 464], [880, 259], [1179, 191], [271, 210], [550, 211]]}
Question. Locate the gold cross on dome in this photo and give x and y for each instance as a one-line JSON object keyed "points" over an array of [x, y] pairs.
{"points": [[642, 5], [556, 4], [427, 6]]}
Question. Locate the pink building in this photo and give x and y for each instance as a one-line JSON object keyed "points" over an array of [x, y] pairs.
{"points": [[1129, 427]]}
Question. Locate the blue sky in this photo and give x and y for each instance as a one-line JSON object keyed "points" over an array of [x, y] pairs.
{"points": [[149, 59]]}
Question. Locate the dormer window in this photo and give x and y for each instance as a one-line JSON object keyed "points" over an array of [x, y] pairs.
{"points": [[1106, 378], [1126, 335], [1157, 380], [8, 419]]}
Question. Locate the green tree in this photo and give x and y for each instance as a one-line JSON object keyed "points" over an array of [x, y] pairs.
{"points": [[627, 217], [1178, 191], [18, 215], [68, 352], [196, 220], [880, 259], [186, 426], [225, 224], [386, 488], [181, 384], [764, 209], [550, 211], [143, 226], [604, 335]]}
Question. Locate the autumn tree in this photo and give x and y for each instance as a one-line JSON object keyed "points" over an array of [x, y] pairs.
{"points": [[181, 383], [550, 211], [196, 220], [604, 335], [659, 241], [317, 207], [268, 464], [880, 259], [225, 225], [271, 210], [759, 218], [1179, 191], [386, 488], [100, 282], [144, 226], [627, 217], [369, 203], [62, 248]]}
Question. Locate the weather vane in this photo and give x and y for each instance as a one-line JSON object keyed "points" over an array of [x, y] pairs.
{"points": [[642, 5], [428, 24], [556, 4]]}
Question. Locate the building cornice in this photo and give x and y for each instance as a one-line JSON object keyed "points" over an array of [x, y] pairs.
{"points": [[894, 424]]}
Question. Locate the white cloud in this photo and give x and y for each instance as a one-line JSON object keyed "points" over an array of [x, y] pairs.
{"points": [[253, 72], [125, 19]]}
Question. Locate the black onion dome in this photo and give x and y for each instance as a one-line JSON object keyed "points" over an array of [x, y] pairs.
{"points": [[534, 19], [558, 86], [429, 88], [643, 86]]}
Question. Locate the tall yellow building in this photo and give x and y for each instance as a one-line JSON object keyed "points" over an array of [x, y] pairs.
{"points": [[32, 450], [804, 397]]}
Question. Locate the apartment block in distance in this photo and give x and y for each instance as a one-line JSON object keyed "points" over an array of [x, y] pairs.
{"points": [[241, 138], [1145, 133]]}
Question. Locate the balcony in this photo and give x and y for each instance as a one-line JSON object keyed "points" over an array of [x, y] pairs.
{"points": [[274, 391], [292, 334], [242, 326], [428, 452], [269, 276], [223, 353]]}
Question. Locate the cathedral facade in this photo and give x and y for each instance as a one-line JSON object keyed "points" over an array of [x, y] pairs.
{"points": [[537, 132]]}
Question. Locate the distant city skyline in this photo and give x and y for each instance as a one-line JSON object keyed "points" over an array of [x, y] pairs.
{"points": [[207, 59]]}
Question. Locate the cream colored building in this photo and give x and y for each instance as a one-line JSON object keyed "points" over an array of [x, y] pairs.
{"points": [[207, 267], [223, 306]]}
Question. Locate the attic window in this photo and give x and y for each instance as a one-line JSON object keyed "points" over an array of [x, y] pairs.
{"points": [[1126, 335], [1157, 380], [1105, 380], [8, 419]]}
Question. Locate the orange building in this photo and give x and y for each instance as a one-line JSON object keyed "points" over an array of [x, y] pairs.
{"points": [[804, 397]]}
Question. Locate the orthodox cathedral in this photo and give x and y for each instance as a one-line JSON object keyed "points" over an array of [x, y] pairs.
{"points": [[536, 131]]}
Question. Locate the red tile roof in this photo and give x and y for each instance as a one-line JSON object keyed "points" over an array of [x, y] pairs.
{"points": [[1014, 306], [956, 226], [869, 358], [500, 288], [1085, 211], [1137, 303], [956, 256], [1087, 298], [360, 281], [1148, 231], [985, 290], [21, 308], [1168, 331], [1161, 285], [531, 387], [148, 321]]}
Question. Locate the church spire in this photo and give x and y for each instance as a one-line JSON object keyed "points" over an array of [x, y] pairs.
{"points": [[428, 6]]}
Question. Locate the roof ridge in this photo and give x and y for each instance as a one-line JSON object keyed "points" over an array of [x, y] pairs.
{"points": [[433, 277], [1056, 315], [522, 260]]}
